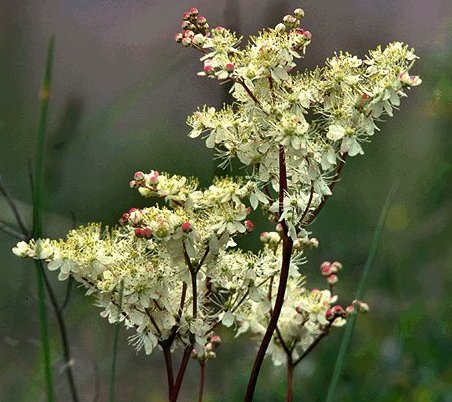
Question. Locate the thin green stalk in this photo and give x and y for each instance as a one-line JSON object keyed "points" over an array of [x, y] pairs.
{"points": [[359, 294], [40, 150], [111, 397], [37, 219]]}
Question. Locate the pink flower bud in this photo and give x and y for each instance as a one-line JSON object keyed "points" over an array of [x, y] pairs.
{"points": [[229, 67], [264, 237], [215, 340], [332, 279], [186, 24], [132, 210], [329, 314], [186, 41], [154, 177], [178, 37], [307, 35], [364, 96], [132, 184], [146, 233], [279, 228], [325, 268], [350, 310], [138, 232], [208, 69], [186, 227], [138, 176], [186, 15], [193, 11], [339, 311], [201, 20], [249, 225]]}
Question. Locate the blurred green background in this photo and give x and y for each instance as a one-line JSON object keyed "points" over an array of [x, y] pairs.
{"points": [[121, 92]]}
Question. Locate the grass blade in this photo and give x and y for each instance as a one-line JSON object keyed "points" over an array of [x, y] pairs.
{"points": [[37, 218], [111, 397], [359, 294]]}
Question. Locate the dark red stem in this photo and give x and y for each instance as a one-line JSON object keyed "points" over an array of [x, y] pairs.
{"points": [[287, 253], [181, 373]]}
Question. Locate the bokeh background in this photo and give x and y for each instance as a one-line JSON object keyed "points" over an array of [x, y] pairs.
{"points": [[121, 92]]}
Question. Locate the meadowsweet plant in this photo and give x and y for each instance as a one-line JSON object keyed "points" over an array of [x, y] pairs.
{"points": [[174, 274]]}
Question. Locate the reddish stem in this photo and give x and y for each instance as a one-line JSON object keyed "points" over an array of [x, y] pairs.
{"points": [[286, 256], [169, 370], [181, 373], [202, 365]]}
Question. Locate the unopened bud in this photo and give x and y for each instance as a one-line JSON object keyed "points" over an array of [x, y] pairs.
{"points": [[339, 311], [132, 184], [199, 39], [332, 279], [307, 35], [208, 69], [186, 227], [280, 27], [135, 216], [138, 232], [178, 37], [336, 266], [329, 314], [186, 15], [314, 243], [289, 19], [350, 310], [146, 233], [249, 225], [279, 228], [193, 11], [298, 13], [325, 268], [186, 41], [229, 67], [215, 340], [138, 176], [153, 177], [360, 306], [201, 20]]}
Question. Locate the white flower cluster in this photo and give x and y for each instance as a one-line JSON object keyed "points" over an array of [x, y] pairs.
{"points": [[317, 117], [173, 273]]}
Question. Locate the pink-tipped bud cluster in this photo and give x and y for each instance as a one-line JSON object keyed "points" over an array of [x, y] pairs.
{"points": [[144, 233], [195, 29], [327, 268], [209, 349]]}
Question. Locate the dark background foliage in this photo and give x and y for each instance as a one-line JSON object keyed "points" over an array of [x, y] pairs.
{"points": [[122, 91]]}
